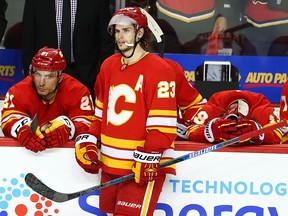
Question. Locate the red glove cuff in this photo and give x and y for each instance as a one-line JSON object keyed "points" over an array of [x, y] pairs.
{"points": [[141, 156]]}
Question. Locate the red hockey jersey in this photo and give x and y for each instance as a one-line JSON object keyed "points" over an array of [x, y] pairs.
{"points": [[260, 110], [187, 10], [284, 110], [186, 95], [135, 106], [72, 100], [260, 15]]}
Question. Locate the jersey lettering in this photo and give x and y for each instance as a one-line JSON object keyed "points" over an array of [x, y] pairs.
{"points": [[201, 117], [86, 103], [8, 101], [166, 89], [139, 83]]}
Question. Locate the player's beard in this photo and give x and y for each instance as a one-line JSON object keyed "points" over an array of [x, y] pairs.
{"points": [[125, 46], [127, 50]]}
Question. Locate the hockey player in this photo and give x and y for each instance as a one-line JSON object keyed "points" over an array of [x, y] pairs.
{"points": [[62, 105], [229, 114], [135, 120], [187, 96]]}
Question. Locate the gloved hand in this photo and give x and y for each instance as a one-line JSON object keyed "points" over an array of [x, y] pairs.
{"points": [[246, 126], [146, 166], [58, 131], [86, 153], [34, 142], [182, 131], [220, 129]]}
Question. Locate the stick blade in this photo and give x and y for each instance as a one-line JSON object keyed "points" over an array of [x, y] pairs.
{"points": [[38, 186], [34, 124]]}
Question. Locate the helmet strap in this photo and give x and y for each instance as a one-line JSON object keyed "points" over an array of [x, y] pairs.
{"points": [[134, 47], [60, 76]]}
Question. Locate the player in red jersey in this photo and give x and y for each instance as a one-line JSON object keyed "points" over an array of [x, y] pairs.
{"points": [[136, 118], [284, 111], [63, 106], [231, 113], [187, 97]]}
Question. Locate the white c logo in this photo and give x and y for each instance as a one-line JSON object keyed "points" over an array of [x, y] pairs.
{"points": [[114, 94]]}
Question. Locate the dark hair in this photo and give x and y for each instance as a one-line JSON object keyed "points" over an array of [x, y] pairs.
{"points": [[144, 41]]}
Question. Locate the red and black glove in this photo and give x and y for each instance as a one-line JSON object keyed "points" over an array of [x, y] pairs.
{"points": [[220, 129], [32, 141], [246, 126], [146, 166], [86, 153], [58, 131]]}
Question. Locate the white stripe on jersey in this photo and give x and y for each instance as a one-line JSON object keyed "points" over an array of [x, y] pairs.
{"points": [[161, 121], [128, 154], [98, 112]]}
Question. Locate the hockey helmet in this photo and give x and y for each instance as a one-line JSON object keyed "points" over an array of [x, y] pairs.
{"points": [[237, 109], [49, 59], [126, 16]]}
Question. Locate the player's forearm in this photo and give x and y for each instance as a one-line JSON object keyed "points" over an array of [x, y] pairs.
{"points": [[80, 127], [95, 129], [158, 141]]}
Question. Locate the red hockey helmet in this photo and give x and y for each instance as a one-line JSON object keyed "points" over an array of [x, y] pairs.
{"points": [[237, 109], [126, 16], [50, 59]]}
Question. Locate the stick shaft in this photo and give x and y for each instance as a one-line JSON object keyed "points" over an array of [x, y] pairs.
{"points": [[33, 182]]}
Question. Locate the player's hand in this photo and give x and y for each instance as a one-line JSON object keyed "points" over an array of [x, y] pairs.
{"points": [[58, 131], [146, 166], [182, 131], [31, 141], [220, 129], [86, 153], [246, 126]]}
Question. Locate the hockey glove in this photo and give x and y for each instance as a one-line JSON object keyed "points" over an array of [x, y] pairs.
{"points": [[219, 129], [32, 141], [246, 126], [86, 153], [146, 166], [182, 131], [58, 131]]}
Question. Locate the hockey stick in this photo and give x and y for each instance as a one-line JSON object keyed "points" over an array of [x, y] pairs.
{"points": [[34, 124], [33, 182]]}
